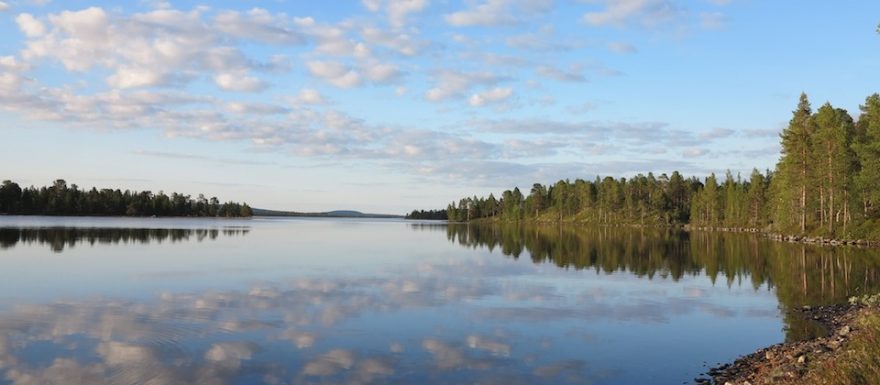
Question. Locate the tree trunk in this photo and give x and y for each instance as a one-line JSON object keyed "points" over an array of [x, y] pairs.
{"points": [[830, 193], [803, 190]]}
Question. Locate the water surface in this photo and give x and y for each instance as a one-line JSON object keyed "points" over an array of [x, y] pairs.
{"points": [[335, 301]]}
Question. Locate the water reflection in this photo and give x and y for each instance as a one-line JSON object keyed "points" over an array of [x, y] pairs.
{"points": [[298, 333], [800, 274], [569, 306], [57, 238]]}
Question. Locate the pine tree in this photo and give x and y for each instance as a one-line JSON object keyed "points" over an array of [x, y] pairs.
{"points": [[795, 171]]}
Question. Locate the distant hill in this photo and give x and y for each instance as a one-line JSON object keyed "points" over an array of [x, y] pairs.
{"points": [[328, 214]]}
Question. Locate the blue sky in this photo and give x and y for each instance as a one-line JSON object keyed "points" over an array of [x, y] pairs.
{"points": [[390, 105]]}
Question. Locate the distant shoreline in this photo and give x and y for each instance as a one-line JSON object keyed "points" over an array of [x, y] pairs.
{"points": [[328, 214]]}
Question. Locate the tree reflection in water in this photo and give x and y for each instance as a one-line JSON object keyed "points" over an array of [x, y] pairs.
{"points": [[800, 274], [57, 238]]}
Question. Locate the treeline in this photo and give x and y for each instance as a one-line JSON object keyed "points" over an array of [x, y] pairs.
{"points": [[429, 214], [61, 199], [826, 183]]}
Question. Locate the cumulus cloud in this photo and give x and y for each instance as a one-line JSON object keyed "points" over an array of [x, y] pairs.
{"points": [[497, 12], [573, 74], [448, 84], [400, 42], [257, 25], [695, 152], [310, 96], [162, 69], [239, 82], [494, 95], [256, 108], [397, 11], [162, 47], [647, 13], [381, 73], [335, 73], [28, 24]]}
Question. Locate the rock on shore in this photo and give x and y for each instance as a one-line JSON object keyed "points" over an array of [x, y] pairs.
{"points": [[788, 361]]}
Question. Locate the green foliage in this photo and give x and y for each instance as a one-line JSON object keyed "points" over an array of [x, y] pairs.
{"points": [[827, 183], [428, 214], [61, 199]]}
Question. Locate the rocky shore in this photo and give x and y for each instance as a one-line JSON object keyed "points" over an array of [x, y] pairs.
{"points": [[791, 238], [789, 362]]}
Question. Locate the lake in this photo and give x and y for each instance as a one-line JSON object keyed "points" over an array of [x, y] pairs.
{"points": [[345, 301]]}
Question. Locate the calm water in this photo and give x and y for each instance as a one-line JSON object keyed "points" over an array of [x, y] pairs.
{"points": [[298, 301]]}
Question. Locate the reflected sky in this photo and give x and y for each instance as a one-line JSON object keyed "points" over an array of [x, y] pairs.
{"points": [[374, 302]]}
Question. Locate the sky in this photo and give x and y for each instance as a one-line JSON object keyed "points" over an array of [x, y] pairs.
{"points": [[392, 105]]}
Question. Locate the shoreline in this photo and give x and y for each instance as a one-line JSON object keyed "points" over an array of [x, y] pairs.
{"points": [[790, 362], [801, 239]]}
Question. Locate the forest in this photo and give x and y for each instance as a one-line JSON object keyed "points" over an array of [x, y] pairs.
{"points": [[61, 199], [427, 214], [826, 183]]}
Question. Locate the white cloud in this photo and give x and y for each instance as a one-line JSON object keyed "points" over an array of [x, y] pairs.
{"points": [[30, 25], [335, 73], [402, 43], [310, 96], [239, 82], [694, 152], [497, 12], [130, 77], [716, 133], [4, 6], [334, 39], [494, 95], [258, 25], [256, 108], [397, 10], [372, 5], [449, 84], [381, 73], [159, 48], [573, 74], [489, 13], [647, 13]]}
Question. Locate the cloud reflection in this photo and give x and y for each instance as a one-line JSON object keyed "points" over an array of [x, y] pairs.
{"points": [[307, 331]]}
